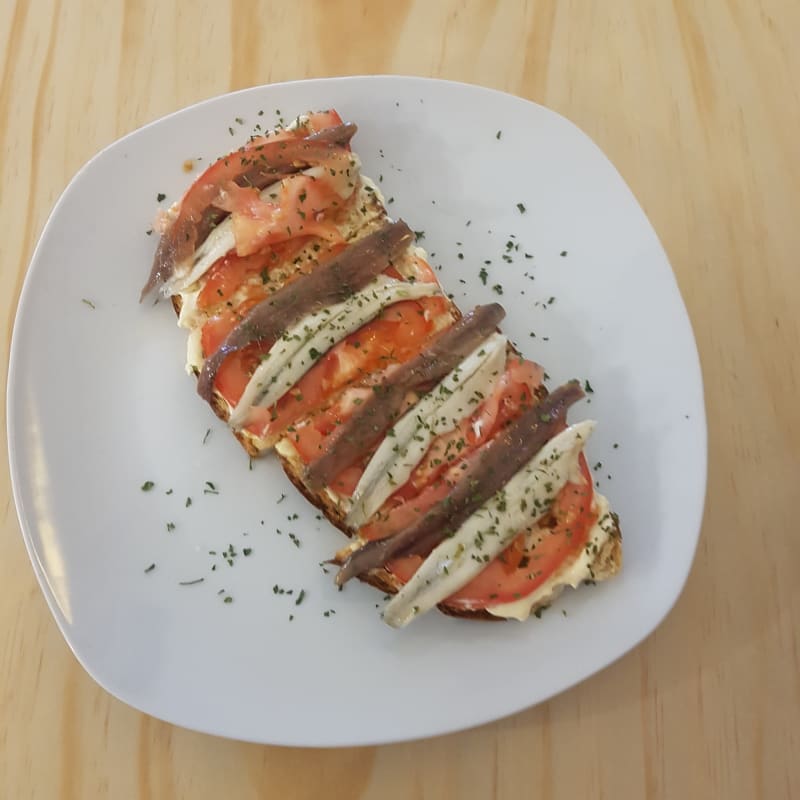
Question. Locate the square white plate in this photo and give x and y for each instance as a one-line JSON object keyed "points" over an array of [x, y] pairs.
{"points": [[99, 403]]}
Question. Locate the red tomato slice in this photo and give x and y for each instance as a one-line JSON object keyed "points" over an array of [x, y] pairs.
{"points": [[216, 329], [309, 436], [535, 555], [234, 374], [226, 276], [236, 369], [423, 270], [230, 272]]}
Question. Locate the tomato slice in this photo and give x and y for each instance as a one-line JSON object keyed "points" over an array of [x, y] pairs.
{"points": [[535, 555], [226, 276], [309, 436], [234, 374], [231, 272]]}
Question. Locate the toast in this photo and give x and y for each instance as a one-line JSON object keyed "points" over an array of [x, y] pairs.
{"points": [[270, 266]]}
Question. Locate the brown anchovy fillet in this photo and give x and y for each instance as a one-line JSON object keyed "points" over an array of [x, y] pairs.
{"points": [[499, 461], [361, 431], [260, 166], [332, 282]]}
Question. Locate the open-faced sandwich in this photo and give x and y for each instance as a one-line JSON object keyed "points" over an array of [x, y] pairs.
{"points": [[317, 328]]}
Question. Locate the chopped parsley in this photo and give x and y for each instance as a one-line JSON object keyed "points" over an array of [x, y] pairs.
{"points": [[147, 486], [150, 568], [88, 303], [521, 207]]}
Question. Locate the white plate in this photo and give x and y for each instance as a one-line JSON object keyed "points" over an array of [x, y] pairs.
{"points": [[99, 404]]}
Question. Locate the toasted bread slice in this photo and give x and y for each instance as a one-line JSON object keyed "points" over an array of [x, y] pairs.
{"points": [[360, 216]]}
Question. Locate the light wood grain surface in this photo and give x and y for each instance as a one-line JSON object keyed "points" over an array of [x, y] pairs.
{"points": [[696, 102]]}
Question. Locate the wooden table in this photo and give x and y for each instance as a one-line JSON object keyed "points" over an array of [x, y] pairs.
{"points": [[697, 105]]}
